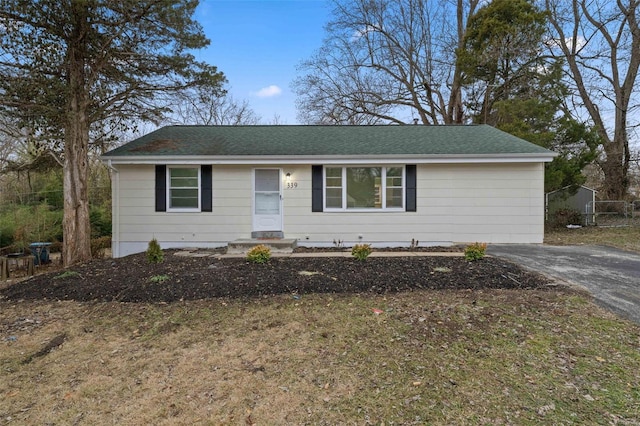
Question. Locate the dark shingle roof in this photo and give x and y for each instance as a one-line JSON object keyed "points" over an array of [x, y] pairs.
{"points": [[326, 141]]}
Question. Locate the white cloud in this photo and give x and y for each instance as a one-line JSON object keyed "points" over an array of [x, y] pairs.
{"points": [[363, 32], [580, 42], [269, 91]]}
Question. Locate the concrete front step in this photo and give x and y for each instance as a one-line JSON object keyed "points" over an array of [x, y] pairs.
{"points": [[267, 235], [242, 246]]}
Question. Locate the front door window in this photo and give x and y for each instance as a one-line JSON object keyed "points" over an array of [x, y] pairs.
{"points": [[267, 193]]}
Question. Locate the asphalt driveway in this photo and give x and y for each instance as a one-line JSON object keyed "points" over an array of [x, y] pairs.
{"points": [[611, 275]]}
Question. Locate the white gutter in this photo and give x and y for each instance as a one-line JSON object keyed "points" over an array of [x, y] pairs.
{"points": [[109, 165], [338, 159]]}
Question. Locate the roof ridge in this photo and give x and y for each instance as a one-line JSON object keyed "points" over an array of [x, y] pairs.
{"points": [[329, 125]]}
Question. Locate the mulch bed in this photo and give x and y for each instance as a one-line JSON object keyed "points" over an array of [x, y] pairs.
{"points": [[134, 279], [421, 249]]}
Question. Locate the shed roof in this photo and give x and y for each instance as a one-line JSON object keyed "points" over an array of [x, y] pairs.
{"points": [[572, 187], [300, 141]]}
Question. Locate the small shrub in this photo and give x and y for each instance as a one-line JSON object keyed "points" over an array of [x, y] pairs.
{"points": [[361, 251], [154, 252], [99, 246], [475, 251], [100, 219], [563, 217], [259, 254], [159, 279]]}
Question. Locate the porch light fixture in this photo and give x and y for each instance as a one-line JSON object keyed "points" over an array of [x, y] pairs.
{"points": [[288, 175]]}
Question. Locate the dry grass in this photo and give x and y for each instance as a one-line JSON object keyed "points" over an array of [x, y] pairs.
{"points": [[626, 238], [425, 357], [428, 357]]}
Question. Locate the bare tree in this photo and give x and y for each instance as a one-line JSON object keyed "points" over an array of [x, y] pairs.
{"points": [[276, 120], [387, 62], [208, 106], [331, 93], [600, 43]]}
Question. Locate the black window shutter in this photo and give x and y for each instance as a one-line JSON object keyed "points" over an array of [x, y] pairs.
{"points": [[206, 177], [316, 189], [411, 175], [161, 188]]}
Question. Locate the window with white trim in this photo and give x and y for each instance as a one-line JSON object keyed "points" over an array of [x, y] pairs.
{"points": [[364, 188], [183, 188], [333, 187]]}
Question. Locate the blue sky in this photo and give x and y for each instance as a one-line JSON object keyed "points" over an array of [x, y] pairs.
{"points": [[257, 44]]}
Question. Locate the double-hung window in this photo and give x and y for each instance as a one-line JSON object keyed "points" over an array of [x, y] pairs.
{"points": [[183, 184], [364, 188]]}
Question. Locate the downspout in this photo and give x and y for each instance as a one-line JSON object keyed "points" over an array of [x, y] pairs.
{"points": [[115, 210]]}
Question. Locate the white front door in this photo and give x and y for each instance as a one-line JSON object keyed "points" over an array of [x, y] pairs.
{"points": [[267, 200]]}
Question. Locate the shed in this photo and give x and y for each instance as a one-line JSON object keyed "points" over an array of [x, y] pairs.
{"points": [[570, 198], [207, 186]]}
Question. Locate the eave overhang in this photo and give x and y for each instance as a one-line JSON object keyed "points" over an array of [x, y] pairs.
{"points": [[336, 159]]}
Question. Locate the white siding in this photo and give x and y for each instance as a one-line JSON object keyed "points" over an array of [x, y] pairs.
{"points": [[493, 203], [138, 222]]}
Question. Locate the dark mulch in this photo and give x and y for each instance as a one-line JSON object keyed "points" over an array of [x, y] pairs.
{"points": [[422, 249], [130, 279]]}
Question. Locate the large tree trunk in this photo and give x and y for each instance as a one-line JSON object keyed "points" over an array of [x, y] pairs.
{"points": [[615, 167], [455, 107], [76, 226]]}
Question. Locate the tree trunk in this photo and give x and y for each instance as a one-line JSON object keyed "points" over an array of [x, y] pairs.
{"points": [[616, 32], [455, 108], [615, 168], [76, 226]]}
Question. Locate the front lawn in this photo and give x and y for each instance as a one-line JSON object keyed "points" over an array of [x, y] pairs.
{"points": [[197, 340], [439, 357]]}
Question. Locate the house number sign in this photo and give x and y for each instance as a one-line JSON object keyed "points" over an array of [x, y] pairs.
{"points": [[292, 185]]}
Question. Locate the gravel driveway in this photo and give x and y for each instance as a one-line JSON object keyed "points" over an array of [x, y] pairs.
{"points": [[611, 275]]}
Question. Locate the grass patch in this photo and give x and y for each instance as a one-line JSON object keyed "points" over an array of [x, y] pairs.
{"points": [[625, 238], [66, 274], [422, 357], [159, 279]]}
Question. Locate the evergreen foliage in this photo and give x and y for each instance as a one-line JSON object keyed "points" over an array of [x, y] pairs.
{"points": [[522, 92], [154, 252], [72, 71]]}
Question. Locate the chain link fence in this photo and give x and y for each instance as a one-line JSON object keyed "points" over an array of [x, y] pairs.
{"points": [[608, 213]]}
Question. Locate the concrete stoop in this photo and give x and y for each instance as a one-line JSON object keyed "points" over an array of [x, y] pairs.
{"points": [[242, 246]]}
